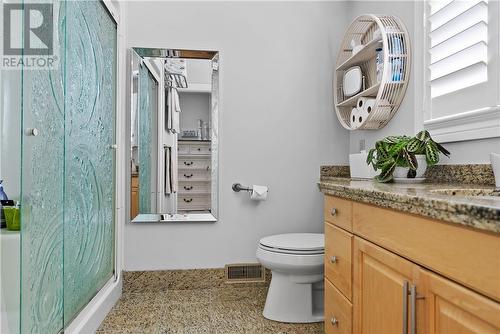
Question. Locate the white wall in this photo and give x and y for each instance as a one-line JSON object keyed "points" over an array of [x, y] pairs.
{"points": [[199, 71], [194, 106], [276, 121], [408, 120], [197, 105]]}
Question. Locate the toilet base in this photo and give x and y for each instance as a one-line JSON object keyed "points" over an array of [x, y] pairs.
{"points": [[291, 300]]}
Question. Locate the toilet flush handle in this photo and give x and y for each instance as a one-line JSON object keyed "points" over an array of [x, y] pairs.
{"points": [[333, 211]]}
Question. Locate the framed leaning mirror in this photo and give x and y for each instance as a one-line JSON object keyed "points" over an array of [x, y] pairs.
{"points": [[174, 99]]}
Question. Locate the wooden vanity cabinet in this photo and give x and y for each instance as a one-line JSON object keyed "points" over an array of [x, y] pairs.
{"points": [[406, 274], [134, 196]]}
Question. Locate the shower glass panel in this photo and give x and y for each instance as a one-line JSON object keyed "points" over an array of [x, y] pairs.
{"points": [[10, 176], [89, 153], [42, 192], [68, 169], [147, 160]]}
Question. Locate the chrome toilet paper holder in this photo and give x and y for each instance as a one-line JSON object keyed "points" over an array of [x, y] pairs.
{"points": [[237, 187]]}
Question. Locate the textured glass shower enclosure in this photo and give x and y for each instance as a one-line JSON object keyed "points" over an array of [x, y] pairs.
{"points": [[147, 99], [68, 168], [10, 166], [89, 152]]}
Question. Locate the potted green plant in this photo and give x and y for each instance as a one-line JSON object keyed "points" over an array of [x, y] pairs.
{"points": [[403, 157]]}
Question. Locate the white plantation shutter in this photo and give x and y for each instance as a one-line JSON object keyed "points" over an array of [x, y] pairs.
{"points": [[458, 40], [462, 60]]}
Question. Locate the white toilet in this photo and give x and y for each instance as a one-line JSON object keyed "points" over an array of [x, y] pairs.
{"points": [[296, 263]]}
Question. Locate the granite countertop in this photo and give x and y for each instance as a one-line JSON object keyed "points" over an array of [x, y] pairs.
{"points": [[479, 212]]}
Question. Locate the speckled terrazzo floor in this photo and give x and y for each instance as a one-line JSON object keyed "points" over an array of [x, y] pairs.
{"points": [[227, 309]]}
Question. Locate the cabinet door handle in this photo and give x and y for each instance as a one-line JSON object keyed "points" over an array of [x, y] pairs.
{"points": [[188, 188], [405, 307], [333, 212], [188, 200], [188, 163], [413, 305], [334, 321], [188, 176], [413, 316], [333, 259]]}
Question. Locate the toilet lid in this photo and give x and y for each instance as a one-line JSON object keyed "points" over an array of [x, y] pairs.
{"points": [[295, 242]]}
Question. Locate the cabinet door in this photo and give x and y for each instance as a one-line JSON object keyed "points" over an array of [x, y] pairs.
{"points": [[454, 309], [381, 290]]}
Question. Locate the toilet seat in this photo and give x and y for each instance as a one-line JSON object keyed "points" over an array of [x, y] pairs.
{"points": [[294, 243], [291, 252]]}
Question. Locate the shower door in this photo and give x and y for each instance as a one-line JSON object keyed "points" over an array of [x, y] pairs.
{"points": [[89, 152], [68, 169], [42, 191]]}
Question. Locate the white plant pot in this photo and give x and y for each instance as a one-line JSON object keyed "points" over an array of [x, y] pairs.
{"points": [[402, 172]]}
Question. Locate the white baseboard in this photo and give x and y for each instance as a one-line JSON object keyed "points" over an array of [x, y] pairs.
{"points": [[90, 318]]}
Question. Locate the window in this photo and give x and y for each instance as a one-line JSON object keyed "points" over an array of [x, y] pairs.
{"points": [[458, 45], [461, 59]]}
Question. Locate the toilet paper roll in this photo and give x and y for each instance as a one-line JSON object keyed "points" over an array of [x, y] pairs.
{"points": [[361, 103], [259, 193], [354, 118], [364, 107], [369, 106], [378, 112]]}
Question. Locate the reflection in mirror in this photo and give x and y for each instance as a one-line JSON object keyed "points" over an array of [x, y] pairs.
{"points": [[174, 113]]}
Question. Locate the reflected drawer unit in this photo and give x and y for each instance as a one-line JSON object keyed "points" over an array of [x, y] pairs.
{"points": [[193, 202], [194, 163], [194, 148], [194, 175], [194, 187]]}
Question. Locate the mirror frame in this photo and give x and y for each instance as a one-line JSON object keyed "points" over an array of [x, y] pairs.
{"points": [[145, 53]]}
